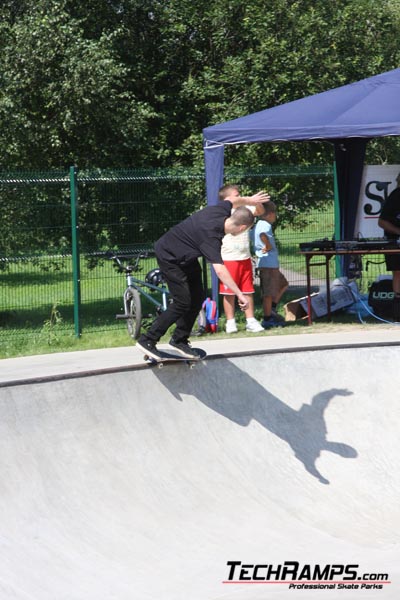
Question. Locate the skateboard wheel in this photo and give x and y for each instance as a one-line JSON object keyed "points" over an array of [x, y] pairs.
{"points": [[160, 365], [145, 357]]}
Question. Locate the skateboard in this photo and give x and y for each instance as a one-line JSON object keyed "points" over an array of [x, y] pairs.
{"points": [[171, 356]]}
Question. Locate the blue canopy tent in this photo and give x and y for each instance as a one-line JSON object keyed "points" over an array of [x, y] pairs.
{"points": [[346, 116]]}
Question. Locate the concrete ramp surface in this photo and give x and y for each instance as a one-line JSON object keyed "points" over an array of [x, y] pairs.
{"points": [[227, 481]]}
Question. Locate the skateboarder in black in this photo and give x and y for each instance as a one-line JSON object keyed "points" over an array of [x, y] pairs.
{"points": [[177, 253]]}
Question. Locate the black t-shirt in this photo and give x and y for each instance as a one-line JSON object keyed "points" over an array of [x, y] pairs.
{"points": [[391, 212], [199, 235]]}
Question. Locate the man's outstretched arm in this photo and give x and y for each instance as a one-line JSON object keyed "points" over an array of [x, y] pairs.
{"points": [[226, 278], [253, 200]]}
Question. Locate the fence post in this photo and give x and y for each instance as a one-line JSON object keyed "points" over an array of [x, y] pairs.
{"points": [[76, 271]]}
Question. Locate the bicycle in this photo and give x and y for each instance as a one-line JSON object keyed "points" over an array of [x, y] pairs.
{"points": [[137, 288]]}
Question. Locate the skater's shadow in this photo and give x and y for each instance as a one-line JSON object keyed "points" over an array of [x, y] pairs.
{"points": [[231, 392]]}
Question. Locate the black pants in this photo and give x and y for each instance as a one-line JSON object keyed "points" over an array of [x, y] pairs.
{"points": [[186, 287]]}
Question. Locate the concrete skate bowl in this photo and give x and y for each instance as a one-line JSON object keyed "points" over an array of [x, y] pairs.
{"points": [[144, 484]]}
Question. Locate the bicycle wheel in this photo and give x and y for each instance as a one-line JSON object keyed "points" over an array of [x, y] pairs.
{"points": [[133, 308]]}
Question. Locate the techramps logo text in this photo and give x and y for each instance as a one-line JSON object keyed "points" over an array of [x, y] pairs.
{"points": [[297, 576]]}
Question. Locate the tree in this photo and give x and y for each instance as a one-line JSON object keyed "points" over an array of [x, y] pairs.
{"points": [[262, 55], [64, 98], [134, 82]]}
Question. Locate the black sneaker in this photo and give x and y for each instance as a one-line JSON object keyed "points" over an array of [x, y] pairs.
{"points": [[272, 322], [148, 347], [277, 316], [183, 348]]}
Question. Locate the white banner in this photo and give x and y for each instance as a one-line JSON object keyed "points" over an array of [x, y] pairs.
{"points": [[377, 183]]}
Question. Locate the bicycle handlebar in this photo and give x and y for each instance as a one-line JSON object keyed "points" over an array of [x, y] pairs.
{"points": [[129, 268]]}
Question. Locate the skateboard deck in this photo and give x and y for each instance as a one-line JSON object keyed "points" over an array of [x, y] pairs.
{"points": [[172, 356]]}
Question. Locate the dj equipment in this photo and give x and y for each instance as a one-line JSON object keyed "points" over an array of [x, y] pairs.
{"points": [[325, 249], [382, 300], [371, 244]]}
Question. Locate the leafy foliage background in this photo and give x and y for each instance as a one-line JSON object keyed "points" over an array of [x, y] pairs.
{"points": [[132, 83]]}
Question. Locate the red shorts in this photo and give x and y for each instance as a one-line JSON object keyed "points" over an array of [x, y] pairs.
{"points": [[242, 274]]}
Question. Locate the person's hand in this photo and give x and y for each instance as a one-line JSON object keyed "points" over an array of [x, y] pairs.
{"points": [[259, 198], [264, 250], [243, 302]]}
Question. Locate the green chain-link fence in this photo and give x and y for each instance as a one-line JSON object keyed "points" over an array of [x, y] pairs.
{"points": [[55, 226]]}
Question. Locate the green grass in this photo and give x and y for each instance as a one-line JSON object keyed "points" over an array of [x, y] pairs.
{"points": [[49, 341], [36, 298], [52, 336], [320, 225]]}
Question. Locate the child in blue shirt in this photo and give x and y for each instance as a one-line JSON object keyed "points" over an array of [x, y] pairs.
{"points": [[272, 282]]}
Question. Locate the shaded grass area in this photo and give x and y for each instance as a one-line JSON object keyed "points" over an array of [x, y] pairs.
{"points": [[50, 329], [36, 297]]}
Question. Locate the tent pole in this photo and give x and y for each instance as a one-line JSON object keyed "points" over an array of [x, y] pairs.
{"points": [[338, 265]]}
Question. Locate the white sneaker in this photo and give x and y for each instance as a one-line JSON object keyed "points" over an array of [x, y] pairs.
{"points": [[254, 326], [230, 326]]}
